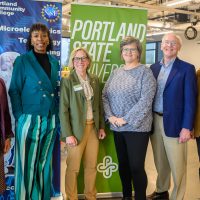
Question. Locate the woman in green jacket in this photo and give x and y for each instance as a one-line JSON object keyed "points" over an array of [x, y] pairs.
{"points": [[33, 93], [82, 123]]}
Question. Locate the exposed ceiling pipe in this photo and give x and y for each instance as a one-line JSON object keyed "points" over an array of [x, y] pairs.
{"points": [[156, 7]]}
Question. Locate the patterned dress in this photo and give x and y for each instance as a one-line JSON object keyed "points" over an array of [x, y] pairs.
{"points": [[5, 131], [2, 176]]}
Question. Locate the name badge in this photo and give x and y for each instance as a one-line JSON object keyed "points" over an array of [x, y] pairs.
{"points": [[77, 87]]}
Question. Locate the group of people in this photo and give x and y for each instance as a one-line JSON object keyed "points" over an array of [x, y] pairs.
{"points": [[156, 103], [139, 103]]}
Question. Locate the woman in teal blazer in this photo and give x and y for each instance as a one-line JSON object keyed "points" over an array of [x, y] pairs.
{"points": [[33, 93], [82, 123]]}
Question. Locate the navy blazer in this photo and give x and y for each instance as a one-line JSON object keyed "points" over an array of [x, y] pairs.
{"points": [[179, 97], [31, 91]]}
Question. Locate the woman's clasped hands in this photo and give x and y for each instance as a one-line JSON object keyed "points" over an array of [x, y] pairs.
{"points": [[116, 121]]}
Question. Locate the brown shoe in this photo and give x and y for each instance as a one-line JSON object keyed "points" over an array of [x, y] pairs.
{"points": [[158, 196]]}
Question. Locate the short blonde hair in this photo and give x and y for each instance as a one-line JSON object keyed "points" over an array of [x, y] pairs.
{"points": [[73, 53]]}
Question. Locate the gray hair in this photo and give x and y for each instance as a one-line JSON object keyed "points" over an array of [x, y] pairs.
{"points": [[178, 38]]}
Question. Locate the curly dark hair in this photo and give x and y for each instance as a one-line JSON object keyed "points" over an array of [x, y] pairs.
{"points": [[38, 27]]}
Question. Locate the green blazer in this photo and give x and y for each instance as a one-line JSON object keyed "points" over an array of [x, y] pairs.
{"points": [[73, 106], [31, 91]]}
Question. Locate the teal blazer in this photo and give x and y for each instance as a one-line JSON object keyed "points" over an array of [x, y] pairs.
{"points": [[73, 106], [31, 91]]}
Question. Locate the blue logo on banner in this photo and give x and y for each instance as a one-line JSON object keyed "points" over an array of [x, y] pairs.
{"points": [[51, 13]]}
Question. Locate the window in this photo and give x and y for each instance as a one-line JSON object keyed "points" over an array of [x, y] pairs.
{"points": [[153, 52], [65, 51]]}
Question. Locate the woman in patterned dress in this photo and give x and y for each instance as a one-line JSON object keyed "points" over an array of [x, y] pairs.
{"points": [[5, 132]]}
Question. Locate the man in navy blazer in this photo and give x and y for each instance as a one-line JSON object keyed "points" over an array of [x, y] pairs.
{"points": [[174, 111]]}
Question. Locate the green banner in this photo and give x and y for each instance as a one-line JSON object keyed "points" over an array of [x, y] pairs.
{"points": [[100, 29]]}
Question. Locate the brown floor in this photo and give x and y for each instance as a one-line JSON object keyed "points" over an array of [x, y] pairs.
{"points": [[193, 183]]}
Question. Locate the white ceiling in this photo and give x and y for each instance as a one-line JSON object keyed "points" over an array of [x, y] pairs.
{"points": [[161, 17]]}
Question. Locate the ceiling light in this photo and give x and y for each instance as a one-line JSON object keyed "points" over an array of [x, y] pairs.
{"points": [[159, 24], [176, 2], [158, 33]]}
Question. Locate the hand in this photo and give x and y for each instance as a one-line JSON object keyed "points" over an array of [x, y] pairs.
{"points": [[185, 135], [112, 120], [120, 122], [7, 146], [102, 134], [192, 134], [71, 141], [116, 122]]}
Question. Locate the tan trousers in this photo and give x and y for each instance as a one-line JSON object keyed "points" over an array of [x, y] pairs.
{"points": [[170, 157], [88, 149]]}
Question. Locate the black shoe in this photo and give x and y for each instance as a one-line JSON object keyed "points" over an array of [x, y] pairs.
{"points": [[127, 198], [158, 196]]}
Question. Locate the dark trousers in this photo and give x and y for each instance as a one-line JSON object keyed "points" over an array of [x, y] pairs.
{"points": [[131, 151], [198, 146]]}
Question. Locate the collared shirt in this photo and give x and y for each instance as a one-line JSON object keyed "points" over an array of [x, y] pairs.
{"points": [[161, 82], [88, 91]]}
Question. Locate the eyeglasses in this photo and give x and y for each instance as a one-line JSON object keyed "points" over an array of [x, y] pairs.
{"points": [[170, 43], [127, 50], [82, 59]]}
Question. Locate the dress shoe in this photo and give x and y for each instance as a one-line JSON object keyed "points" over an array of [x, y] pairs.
{"points": [[199, 173], [158, 196], [127, 198]]}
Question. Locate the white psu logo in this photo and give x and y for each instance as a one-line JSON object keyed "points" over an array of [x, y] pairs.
{"points": [[107, 167]]}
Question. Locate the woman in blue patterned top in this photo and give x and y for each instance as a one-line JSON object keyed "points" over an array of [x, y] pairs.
{"points": [[127, 97]]}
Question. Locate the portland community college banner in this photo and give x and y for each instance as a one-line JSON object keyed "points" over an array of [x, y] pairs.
{"points": [[100, 29], [16, 17]]}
